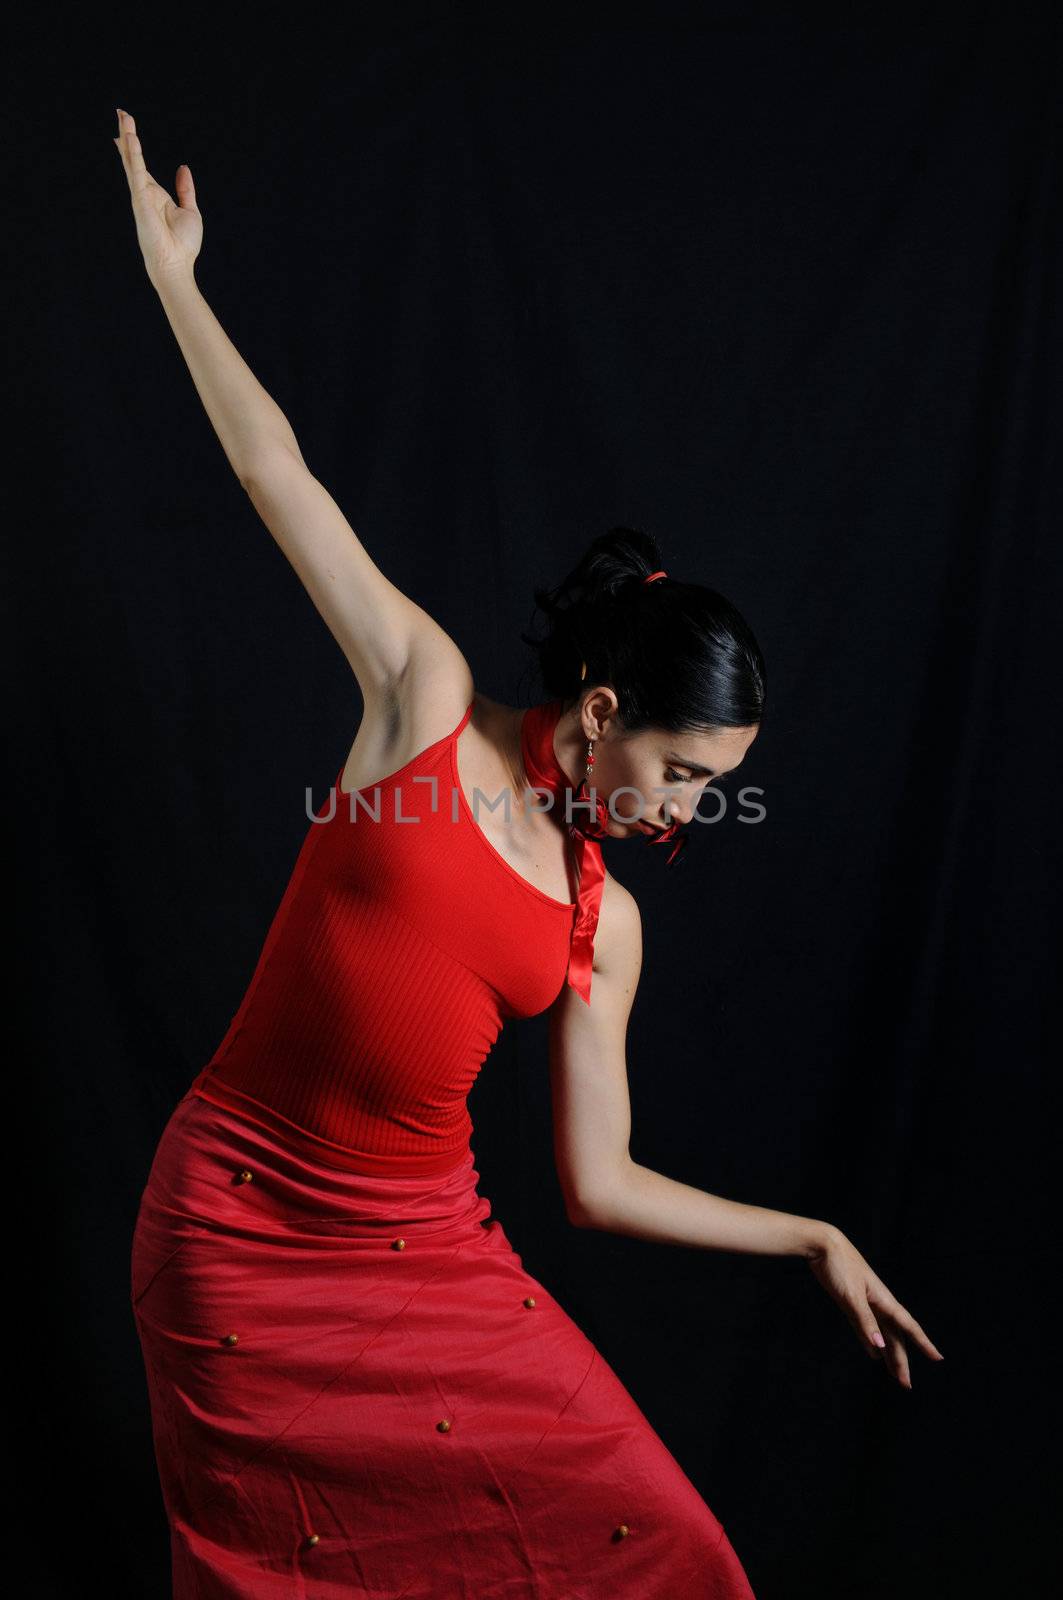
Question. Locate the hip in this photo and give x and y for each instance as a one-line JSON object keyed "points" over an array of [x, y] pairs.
{"points": [[215, 1172]]}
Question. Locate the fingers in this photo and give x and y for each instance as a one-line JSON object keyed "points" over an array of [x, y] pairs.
{"points": [[863, 1320], [186, 189], [912, 1328], [904, 1321], [870, 1308], [897, 1356], [889, 1345], [132, 155], [122, 140], [898, 1323]]}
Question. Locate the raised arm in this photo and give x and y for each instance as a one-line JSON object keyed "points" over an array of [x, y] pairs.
{"points": [[383, 633]]}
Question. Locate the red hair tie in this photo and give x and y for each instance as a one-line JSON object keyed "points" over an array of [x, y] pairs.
{"points": [[660, 574]]}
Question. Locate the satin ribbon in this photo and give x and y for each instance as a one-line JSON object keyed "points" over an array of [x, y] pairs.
{"points": [[544, 771]]}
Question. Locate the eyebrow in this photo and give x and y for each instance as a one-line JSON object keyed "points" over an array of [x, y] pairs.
{"points": [[703, 772]]}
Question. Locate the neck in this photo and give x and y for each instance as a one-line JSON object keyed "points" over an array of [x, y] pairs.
{"points": [[570, 746], [567, 742]]}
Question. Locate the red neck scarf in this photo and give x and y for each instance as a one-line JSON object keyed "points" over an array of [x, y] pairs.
{"points": [[544, 771]]}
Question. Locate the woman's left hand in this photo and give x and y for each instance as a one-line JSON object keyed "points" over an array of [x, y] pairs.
{"points": [[869, 1305]]}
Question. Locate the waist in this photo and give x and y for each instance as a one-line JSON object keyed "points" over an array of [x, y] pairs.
{"points": [[218, 1170], [431, 1160]]}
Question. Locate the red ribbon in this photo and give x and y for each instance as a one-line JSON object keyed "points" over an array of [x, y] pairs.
{"points": [[544, 771]]}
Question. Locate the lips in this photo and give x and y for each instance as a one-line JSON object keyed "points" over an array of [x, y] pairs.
{"points": [[647, 827]]}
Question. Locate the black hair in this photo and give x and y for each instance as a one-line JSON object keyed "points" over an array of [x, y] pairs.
{"points": [[678, 655]]}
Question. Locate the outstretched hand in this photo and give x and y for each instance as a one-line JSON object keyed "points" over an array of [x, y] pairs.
{"points": [[169, 232], [870, 1307]]}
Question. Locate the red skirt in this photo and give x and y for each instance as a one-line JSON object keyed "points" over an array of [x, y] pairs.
{"points": [[357, 1389]]}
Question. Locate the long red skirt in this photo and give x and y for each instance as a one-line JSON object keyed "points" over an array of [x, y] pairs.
{"points": [[357, 1389]]}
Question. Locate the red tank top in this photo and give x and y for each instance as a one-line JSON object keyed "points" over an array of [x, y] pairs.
{"points": [[398, 949]]}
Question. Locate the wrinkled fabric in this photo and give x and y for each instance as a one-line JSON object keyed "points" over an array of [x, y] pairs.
{"points": [[304, 1457]]}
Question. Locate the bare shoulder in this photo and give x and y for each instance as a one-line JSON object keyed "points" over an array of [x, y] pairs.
{"points": [[618, 939]]}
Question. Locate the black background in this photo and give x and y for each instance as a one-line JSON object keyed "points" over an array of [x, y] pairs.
{"points": [[779, 286]]}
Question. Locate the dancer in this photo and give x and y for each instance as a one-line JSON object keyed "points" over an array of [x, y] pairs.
{"points": [[355, 1386]]}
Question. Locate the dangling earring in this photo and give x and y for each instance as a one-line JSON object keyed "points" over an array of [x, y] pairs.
{"points": [[598, 828], [596, 825], [590, 742]]}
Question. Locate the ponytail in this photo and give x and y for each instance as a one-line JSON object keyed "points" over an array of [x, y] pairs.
{"points": [[677, 655]]}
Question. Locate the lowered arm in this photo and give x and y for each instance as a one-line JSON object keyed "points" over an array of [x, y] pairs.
{"points": [[602, 1187]]}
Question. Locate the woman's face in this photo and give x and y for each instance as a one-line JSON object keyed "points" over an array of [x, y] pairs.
{"points": [[652, 778]]}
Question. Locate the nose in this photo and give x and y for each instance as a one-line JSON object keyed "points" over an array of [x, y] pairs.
{"points": [[678, 809]]}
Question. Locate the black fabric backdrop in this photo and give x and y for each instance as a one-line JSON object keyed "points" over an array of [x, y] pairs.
{"points": [[778, 286]]}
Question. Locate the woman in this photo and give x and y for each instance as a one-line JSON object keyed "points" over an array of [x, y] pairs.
{"points": [[355, 1386]]}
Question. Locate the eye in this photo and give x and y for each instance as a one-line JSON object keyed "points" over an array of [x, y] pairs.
{"points": [[674, 777]]}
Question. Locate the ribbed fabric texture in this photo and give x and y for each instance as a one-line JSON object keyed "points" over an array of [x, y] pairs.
{"points": [[398, 949]]}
